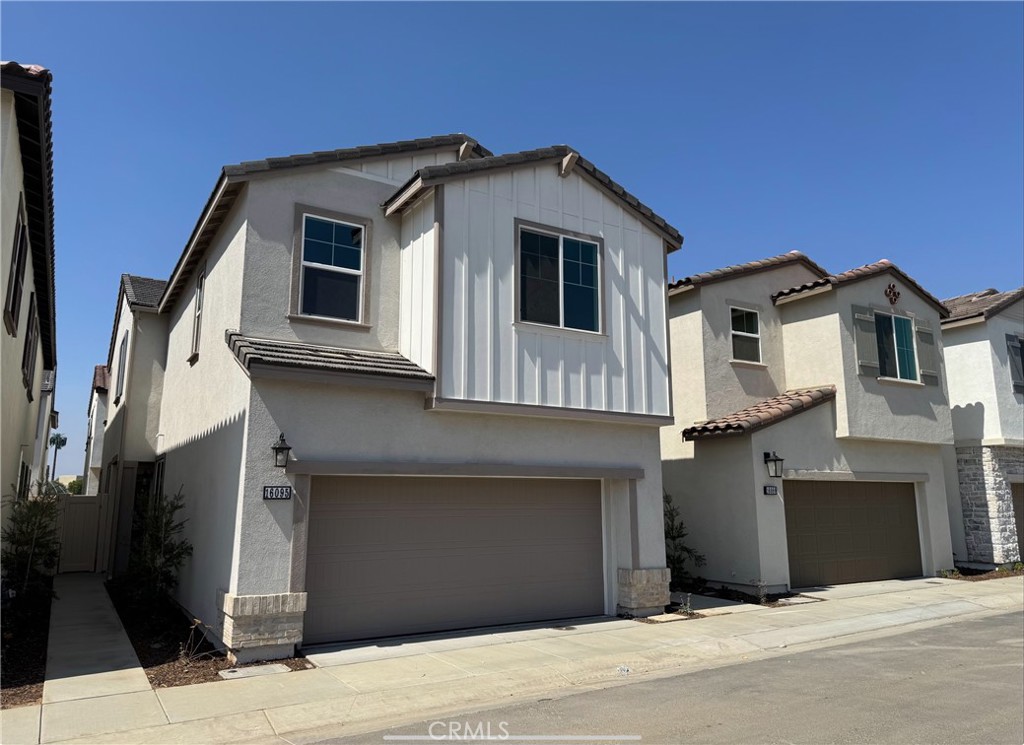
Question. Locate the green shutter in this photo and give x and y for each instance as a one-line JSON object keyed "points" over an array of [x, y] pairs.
{"points": [[1013, 349], [865, 340], [927, 353]]}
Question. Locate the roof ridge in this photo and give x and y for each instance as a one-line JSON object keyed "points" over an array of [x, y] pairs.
{"points": [[749, 267]]}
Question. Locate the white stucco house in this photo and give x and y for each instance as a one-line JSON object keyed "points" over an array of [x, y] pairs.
{"points": [[985, 479], [467, 355], [28, 339], [840, 376], [94, 431]]}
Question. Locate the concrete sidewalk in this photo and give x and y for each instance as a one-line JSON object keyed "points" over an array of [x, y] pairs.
{"points": [[367, 688]]}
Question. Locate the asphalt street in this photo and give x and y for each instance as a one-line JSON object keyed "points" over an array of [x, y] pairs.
{"points": [[955, 683]]}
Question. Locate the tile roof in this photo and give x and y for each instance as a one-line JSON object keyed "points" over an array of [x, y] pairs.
{"points": [[100, 378], [31, 86], [435, 174], [864, 272], [251, 352], [762, 414], [736, 270], [232, 179], [351, 153], [986, 303], [143, 291]]}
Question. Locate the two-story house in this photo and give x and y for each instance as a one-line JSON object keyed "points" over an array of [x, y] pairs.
{"points": [[28, 339], [130, 406], [810, 413], [415, 387], [982, 338]]}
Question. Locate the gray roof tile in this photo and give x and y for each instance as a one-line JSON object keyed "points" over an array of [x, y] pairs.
{"points": [[986, 303], [144, 291], [737, 270]]}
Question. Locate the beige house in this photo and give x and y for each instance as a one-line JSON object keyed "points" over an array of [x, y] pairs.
{"points": [[841, 377], [467, 356], [28, 339], [96, 428], [985, 478]]}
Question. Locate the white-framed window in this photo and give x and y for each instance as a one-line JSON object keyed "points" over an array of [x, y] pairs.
{"points": [[559, 280], [332, 268], [197, 318], [746, 334], [897, 355], [122, 358]]}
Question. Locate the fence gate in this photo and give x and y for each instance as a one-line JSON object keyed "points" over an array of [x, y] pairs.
{"points": [[79, 530]]}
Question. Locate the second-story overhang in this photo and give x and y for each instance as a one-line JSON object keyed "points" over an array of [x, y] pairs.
{"points": [[565, 158]]}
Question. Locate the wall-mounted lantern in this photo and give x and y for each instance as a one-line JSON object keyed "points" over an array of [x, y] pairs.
{"points": [[774, 465], [281, 449]]}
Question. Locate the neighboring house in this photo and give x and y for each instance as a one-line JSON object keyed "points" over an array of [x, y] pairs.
{"points": [[468, 356], [983, 337], [28, 339], [839, 375], [95, 430], [131, 415]]}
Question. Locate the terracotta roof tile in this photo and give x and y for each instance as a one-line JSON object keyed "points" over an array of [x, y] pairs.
{"points": [[762, 414], [728, 272], [251, 351], [100, 378], [986, 303], [863, 272]]}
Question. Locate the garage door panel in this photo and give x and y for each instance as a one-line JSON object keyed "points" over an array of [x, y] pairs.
{"points": [[400, 555], [840, 532]]}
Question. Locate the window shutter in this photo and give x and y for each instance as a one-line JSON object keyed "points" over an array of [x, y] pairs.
{"points": [[927, 354], [1013, 348], [865, 340]]}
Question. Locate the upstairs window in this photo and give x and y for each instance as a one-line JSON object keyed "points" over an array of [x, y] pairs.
{"points": [[895, 339], [1014, 346], [559, 280], [122, 359], [30, 352], [16, 280], [332, 268], [746, 335], [197, 318]]}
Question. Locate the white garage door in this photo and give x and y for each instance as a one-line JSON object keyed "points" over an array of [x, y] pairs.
{"points": [[401, 555]]}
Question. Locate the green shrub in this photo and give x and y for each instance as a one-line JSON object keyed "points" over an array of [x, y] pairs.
{"points": [[161, 550], [677, 553], [31, 543]]}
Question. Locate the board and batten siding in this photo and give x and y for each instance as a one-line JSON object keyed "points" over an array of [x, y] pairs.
{"points": [[418, 285], [399, 169], [487, 356]]}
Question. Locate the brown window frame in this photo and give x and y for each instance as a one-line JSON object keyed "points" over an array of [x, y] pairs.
{"points": [[29, 353], [16, 282]]}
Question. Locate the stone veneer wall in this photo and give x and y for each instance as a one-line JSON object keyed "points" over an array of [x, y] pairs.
{"points": [[643, 592], [262, 627], [985, 475]]}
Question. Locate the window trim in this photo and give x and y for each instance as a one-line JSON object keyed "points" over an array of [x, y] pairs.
{"points": [[295, 313], [16, 276], [733, 332], [197, 315], [122, 361], [30, 351], [913, 338], [560, 233]]}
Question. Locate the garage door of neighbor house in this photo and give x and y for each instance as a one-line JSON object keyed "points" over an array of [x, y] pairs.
{"points": [[1018, 512], [401, 555], [850, 531]]}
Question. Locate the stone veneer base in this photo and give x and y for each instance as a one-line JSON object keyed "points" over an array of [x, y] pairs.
{"points": [[985, 474], [262, 627], [643, 592]]}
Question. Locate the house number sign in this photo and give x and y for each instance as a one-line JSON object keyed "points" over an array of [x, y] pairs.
{"points": [[893, 294], [277, 492]]}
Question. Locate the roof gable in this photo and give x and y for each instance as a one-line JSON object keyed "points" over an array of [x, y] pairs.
{"points": [[884, 266], [762, 414], [982, 305], [752, 267]]}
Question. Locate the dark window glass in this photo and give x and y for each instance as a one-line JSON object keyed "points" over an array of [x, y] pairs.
{"points": [[744, 321], [330, 294], [333, 244], [579, 294], [319, 230], [538, 278], [905, 348], [747, 348], [887, 366], [581, 307]]}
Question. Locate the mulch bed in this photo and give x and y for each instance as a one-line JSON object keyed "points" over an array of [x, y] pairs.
{"points": [[171, 647], [977, 575], [25, 631]]}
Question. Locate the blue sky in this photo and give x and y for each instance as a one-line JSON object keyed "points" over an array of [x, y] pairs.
{"points": [[852, 132]]}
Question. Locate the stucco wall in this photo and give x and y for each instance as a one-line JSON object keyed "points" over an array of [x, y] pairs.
{"points": [[118, 406], [487, 356], [144, 385], [1010, 402], [335, 422], [18, 415], [970, 357], [202, 422]]}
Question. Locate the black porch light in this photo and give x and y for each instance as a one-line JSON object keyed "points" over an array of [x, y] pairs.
{"points": [[774, 465], [281, 449]]}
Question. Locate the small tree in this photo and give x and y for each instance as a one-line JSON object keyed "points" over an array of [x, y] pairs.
{"points": [[677, 553], [75, 487], [31, 543], [161, 550]]}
